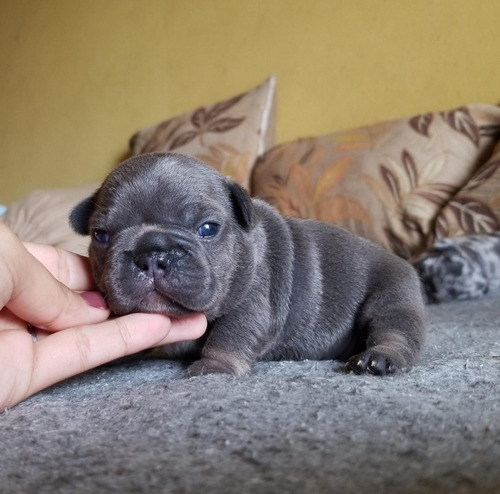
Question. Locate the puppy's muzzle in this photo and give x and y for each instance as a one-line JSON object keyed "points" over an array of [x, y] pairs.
{"points": [[156, 251]]}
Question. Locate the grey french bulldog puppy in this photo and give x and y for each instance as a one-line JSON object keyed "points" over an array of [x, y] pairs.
{"points": [[172, 235]]}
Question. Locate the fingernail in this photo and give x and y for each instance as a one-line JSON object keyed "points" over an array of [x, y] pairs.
{"points": [[94, 299]]}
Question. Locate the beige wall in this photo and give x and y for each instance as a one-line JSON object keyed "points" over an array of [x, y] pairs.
{"points": [[78, 77]]}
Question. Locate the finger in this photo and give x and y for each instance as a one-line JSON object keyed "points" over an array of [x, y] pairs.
{"points": [[70, 352], [69, 268], [15, 366], [34, 295], [8, 320], [186, 328]]}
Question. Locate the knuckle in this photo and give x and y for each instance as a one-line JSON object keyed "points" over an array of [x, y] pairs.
{"points": [[124, 333], [84, 347]]}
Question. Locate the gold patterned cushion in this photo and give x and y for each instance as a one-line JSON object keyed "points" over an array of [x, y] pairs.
{"points": [[386, 182], [476, 207], [228, 135]]}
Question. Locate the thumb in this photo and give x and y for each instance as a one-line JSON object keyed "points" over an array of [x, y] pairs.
{"points": [[30, 291]]}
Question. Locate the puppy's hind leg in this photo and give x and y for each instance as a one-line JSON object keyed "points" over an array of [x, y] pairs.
{"points": [[394, 329]]}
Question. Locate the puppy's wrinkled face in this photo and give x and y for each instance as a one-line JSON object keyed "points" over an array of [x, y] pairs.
{"points": [[167, 235]]}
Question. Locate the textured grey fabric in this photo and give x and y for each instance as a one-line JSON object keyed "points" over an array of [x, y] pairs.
{"points": [[301, 427]]}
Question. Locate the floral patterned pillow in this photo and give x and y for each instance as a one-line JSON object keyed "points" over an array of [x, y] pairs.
{"points": [[228, 135], [475, 208], [386, 182]]}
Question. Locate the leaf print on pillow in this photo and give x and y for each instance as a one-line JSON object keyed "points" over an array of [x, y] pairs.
{"points": [[482, 175], [159, 139], [338, 209], [199, 118], [183, 139], [422, 123], [286, 202], [392, 182], [461, 121], [432, 169], [405, 181], [398, 246], [377, 187], [208, 120], [473, 216], [332, 176], [410, 168], [223, 106], [205, 121], [490, 131], [410, 196], [305, 188], [224, 124], [438, 194], [300, 183], [441, 230]]}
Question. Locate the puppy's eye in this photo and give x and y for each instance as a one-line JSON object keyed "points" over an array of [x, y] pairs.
{"points": [[208, 230], [100, 236]]}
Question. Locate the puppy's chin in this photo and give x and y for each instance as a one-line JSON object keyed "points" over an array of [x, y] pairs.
{"points": [[152, 302]]}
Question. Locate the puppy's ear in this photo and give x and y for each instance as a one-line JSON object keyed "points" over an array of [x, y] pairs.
{"points": [[80, 215], [243, 207]]}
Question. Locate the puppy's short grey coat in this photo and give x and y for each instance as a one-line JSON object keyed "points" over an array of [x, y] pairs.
{"points": [[171, 235]]}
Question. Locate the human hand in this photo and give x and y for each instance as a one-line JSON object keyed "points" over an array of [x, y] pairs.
{"points": [[39, 288]]}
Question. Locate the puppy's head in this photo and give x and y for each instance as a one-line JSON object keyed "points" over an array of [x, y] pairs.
{"points": [[168, 234]]}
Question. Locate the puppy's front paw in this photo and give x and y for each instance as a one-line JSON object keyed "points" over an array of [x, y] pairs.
{"points": [[207, 366], [219, 362], [373, 362]]}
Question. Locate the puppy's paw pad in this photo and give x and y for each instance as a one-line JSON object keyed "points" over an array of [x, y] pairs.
{"points": [[370, 362]]}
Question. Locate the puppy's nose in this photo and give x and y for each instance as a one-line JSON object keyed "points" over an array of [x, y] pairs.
{"points": [[155, 263], [155, 252]]}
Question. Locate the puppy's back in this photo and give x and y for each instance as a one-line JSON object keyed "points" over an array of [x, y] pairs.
{"points": [[334, 274]]}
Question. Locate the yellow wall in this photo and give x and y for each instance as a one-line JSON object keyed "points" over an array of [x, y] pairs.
{"points": [[78, 77]]}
